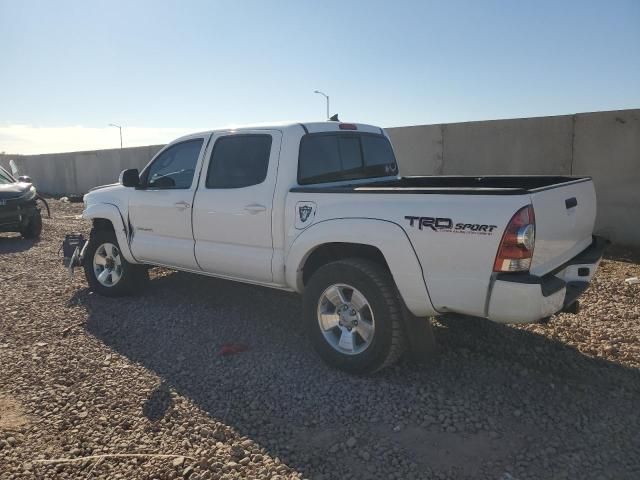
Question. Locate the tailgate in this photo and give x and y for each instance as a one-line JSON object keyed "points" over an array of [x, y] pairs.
{"points": [[565, 215]]}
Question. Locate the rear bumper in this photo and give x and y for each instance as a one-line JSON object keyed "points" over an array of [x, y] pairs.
{"points": [[526, 298]]}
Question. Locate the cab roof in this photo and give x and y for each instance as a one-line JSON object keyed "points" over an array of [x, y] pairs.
{"points": [[307, 127]]}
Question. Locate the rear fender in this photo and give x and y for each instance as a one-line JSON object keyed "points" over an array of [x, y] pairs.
{"points": [[388, 237], [110, 212]]}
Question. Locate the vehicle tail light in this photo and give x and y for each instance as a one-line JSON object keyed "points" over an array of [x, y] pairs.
{"points": [[348, 126], [516, 247]]}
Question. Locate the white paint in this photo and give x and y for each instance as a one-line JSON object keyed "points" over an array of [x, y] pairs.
{"points": [[161, 221], [232, 226], [561, 232]]}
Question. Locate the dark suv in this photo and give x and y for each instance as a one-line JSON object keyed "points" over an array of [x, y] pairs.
{"points": [[19, 211]]}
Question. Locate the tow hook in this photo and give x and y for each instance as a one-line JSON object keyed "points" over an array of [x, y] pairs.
{"points": [[73, 248]]}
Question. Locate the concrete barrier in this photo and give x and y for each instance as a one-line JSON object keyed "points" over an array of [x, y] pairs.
{"points": [[419, 149], [607, 147], [604, 145], [78, 172]]}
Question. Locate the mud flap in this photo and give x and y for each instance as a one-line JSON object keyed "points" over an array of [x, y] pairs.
{"points": [[421, 341]]}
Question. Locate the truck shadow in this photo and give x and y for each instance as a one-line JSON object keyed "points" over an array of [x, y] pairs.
{"points": [[493, 392]]}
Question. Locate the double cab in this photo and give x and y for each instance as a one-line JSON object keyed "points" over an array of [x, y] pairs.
{"points": [[320, 209]]}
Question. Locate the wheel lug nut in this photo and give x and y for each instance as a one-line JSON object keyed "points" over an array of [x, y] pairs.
{"points": [[353, 312]]}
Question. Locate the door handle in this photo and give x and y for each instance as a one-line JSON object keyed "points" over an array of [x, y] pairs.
{"points": [[255, 208], [181, 205]]}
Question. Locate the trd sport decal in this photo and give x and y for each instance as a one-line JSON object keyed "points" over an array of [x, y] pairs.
{"points": [[439, 224], [305, 213]]}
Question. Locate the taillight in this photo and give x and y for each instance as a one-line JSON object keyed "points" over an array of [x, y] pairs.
{"points": [[348, 126], [516, 248]]}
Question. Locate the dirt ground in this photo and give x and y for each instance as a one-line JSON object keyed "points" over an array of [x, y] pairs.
{"points": [[135, 388]]}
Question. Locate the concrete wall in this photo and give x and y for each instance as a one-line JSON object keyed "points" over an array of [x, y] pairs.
{"points": [[604, 145], [77, 172], [607, 147]]}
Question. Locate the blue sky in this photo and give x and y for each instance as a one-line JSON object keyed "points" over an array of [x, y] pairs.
{"points": [[163, 67]]}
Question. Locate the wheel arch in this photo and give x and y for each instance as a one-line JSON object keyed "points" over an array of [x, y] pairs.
{"points": [[105, 216], [381, 241]]}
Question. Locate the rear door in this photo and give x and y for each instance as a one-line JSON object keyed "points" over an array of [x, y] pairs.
{"points": [[565, 216], [233, 205]]}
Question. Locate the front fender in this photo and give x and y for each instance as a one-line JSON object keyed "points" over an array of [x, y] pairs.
{"points": [[110, 212], [388, 237]]}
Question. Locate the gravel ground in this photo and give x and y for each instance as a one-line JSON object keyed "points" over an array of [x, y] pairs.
{"points": [[86, 376]]}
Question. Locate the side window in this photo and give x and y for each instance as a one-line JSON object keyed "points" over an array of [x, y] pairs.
{"points": [[239, 161], [175, 167]]}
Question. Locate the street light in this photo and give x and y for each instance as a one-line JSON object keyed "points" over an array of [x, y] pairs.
{"points": [[119, 128], [325, 96]]}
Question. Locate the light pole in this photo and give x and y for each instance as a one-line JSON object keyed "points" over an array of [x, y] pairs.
{"points": [[119, 128], [327, 97]]}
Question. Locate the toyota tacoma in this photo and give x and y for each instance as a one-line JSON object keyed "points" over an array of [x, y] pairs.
{"points": [[319, 209]]}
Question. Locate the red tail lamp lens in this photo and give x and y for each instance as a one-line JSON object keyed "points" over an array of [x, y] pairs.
{"points": [[518, 241]]}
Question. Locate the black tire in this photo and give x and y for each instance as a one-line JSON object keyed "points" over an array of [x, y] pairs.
{"points": [[33, 229], [376, 284], [133, 277]]}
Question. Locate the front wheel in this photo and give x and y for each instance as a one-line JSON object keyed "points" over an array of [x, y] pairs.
{"points": [[33, 228], [107, 271], [353, 314]]}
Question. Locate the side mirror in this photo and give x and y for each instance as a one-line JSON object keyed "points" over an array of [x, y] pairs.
{"points": [[130, 178], [25, 179]]}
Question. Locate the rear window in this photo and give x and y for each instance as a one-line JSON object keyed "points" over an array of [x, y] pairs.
{"points": [[330, 157]]}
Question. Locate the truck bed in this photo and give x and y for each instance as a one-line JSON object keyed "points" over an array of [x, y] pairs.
{"points": [[454, 184]]}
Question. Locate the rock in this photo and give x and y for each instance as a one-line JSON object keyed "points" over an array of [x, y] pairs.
{"points": [[237, 451], [187, 471], [178, 461], [165, 391]]}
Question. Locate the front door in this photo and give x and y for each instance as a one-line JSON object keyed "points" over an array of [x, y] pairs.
{"points": [[233, 205], [160, 211]]}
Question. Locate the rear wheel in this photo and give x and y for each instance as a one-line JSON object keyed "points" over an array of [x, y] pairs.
{"points": [[107, 271], [353, 314], [33, 229]]}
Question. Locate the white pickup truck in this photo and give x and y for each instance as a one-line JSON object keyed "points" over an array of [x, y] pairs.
{"points": [[319, 209]]}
